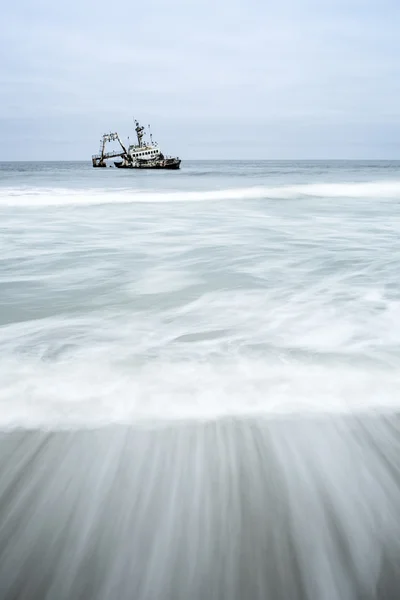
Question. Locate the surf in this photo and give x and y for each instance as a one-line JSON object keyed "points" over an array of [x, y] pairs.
{"points": [[54, 196]]}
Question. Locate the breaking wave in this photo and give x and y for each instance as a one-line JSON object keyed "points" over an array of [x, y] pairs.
{"points": [[33, 197], [90, 391]]}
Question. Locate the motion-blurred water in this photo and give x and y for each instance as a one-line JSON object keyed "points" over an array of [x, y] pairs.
{"points": [[199, 381]]}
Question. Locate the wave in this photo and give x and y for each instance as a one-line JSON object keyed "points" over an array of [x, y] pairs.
{"points": [[54, 196], [87, 389]]}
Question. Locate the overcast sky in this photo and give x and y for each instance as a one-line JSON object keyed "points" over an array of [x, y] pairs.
{"points": [[216, 79]]}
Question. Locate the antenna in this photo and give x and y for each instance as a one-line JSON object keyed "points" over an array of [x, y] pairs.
{"points": [[151, 135]]}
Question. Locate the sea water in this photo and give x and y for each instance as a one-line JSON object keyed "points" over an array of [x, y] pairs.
{"points": [[199, 381]]}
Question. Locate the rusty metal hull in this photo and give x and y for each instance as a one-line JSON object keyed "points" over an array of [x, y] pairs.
{"points": [[171, 165]]}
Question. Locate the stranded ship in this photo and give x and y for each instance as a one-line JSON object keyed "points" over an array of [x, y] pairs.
{"points": [[143, 155]]}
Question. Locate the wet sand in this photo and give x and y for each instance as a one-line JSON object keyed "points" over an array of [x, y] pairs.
{"points": [[300, 508]]}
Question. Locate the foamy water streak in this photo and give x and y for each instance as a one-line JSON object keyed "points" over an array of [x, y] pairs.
{"points": [[28, 197], [295, 510], [85, 394]]}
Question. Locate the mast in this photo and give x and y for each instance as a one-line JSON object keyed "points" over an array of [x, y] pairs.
{"points": [[103, 146], [139, 132]]}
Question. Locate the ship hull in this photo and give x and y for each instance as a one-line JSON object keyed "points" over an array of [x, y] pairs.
{"points": [[169, 166]]}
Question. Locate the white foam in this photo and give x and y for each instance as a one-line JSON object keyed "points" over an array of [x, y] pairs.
{"points": [[195, 314], [222, 353], [80, 391], [39, 197]]}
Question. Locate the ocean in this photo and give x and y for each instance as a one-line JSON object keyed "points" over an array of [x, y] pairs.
{"points": [[200, 382]]}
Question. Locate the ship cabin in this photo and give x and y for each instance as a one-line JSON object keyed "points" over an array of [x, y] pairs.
{"points": [[143, 152]]}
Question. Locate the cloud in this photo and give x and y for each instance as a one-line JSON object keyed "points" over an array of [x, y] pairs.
{"points": [[209, 72]]}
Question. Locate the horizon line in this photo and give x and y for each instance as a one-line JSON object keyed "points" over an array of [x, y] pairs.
{"points": [[221, 160]]}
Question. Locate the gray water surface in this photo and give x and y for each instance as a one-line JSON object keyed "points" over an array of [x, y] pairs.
{"points": [[199, 381]]}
